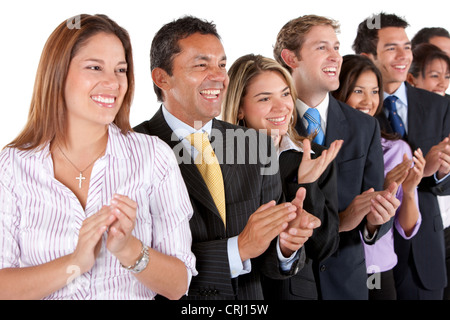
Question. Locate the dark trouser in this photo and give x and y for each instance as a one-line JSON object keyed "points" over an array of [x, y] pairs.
{"points": [[447, 261], [410, 287], [385, 289]]}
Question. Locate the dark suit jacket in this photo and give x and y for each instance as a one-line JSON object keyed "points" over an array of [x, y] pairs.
{"points": [[321, 200], [360, 167], [428, 124], [246, 189]]}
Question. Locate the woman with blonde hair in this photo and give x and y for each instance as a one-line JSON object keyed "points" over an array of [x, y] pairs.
{"points": [[261, 96], [88, 208]]}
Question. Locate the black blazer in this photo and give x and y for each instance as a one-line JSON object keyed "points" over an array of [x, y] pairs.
{"points": [[428, 124], [360, 167], [322, 201], [246, 189]]}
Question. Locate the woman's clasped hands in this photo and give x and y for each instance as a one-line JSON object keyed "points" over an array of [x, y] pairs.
{"points": [[118, 221]]}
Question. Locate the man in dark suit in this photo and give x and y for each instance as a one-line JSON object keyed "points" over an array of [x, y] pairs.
{"points": [[188, 65], [420, 272], [309, 48]]}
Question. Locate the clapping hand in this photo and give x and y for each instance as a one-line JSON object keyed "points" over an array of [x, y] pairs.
{"points": [[300, 229], [438, 159]]}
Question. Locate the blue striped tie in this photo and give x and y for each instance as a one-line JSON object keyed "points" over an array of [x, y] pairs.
{"points": [[313, 118]]}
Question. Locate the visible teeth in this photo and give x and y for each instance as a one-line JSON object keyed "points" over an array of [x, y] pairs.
{"points": [[364, 110], [330, 69], [277, 119], [400, 67], [210, 92], [101, 99]]}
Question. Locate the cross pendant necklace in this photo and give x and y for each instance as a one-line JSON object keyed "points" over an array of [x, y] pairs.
{"points": [[80, 178]]}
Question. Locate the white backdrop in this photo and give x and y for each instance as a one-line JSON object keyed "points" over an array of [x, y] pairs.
{"points": [[246, 26]]}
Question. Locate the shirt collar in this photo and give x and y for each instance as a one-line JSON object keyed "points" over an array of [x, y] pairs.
{"points": [[286, 144], [321, 107], [117, 146], [181, 129], [400, 93]]}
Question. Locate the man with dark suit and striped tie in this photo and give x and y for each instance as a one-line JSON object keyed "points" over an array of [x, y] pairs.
{"points": [[240, 227], [422, 119]]}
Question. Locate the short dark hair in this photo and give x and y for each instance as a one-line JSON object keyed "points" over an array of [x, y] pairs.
{"points": [[366, 40], [423, 55], [165, 43], [424, 35]]}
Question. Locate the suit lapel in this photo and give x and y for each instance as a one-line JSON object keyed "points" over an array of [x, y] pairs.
{"points": [[225, 145], [416, 114], [336, 123]]}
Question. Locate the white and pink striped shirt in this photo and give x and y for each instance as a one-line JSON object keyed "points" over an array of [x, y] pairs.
{"points": [[40, 218]]}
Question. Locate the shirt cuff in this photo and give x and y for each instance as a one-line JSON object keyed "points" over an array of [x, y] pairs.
{"points": [[367, 237], [439, 181], [237, 267], [286, 263]]}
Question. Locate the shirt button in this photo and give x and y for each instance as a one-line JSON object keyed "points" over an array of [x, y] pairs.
{"points": [[323, 268]]}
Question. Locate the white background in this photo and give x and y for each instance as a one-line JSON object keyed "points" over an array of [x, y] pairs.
{"points": [[246, 26]]}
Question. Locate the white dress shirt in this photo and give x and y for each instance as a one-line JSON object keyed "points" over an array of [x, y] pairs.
{"points": [[321, 107]]}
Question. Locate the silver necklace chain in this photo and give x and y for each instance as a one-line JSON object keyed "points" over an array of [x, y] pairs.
{"points": [[80, 178]]}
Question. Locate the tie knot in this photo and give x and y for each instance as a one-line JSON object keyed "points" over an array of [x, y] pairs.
{"points": [[389, 103], [314, 128], [199, 140], [312, 115]]}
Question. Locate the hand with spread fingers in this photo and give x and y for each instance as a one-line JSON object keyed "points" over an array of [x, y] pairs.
{"points": [[309, 169]]}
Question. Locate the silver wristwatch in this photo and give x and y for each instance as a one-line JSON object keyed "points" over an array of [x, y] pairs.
{"points": [[141, 262]]}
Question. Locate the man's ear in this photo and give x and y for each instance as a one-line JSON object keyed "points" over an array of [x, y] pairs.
{"points": [[289, 58], [411, 80], [161, 78]]}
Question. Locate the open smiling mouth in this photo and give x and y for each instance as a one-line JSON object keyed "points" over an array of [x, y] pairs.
{"points": [[210, 94], [104, 101], [277, 121], [331, 71]]}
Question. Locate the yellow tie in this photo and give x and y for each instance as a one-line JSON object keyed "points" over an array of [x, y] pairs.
{"points": [[209, 167]]}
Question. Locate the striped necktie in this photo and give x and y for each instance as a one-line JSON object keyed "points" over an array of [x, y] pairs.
{"points": [[209, 168], [313, 117]]}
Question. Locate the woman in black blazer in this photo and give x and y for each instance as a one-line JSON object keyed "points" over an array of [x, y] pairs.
{"points": [[261, 95]]}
